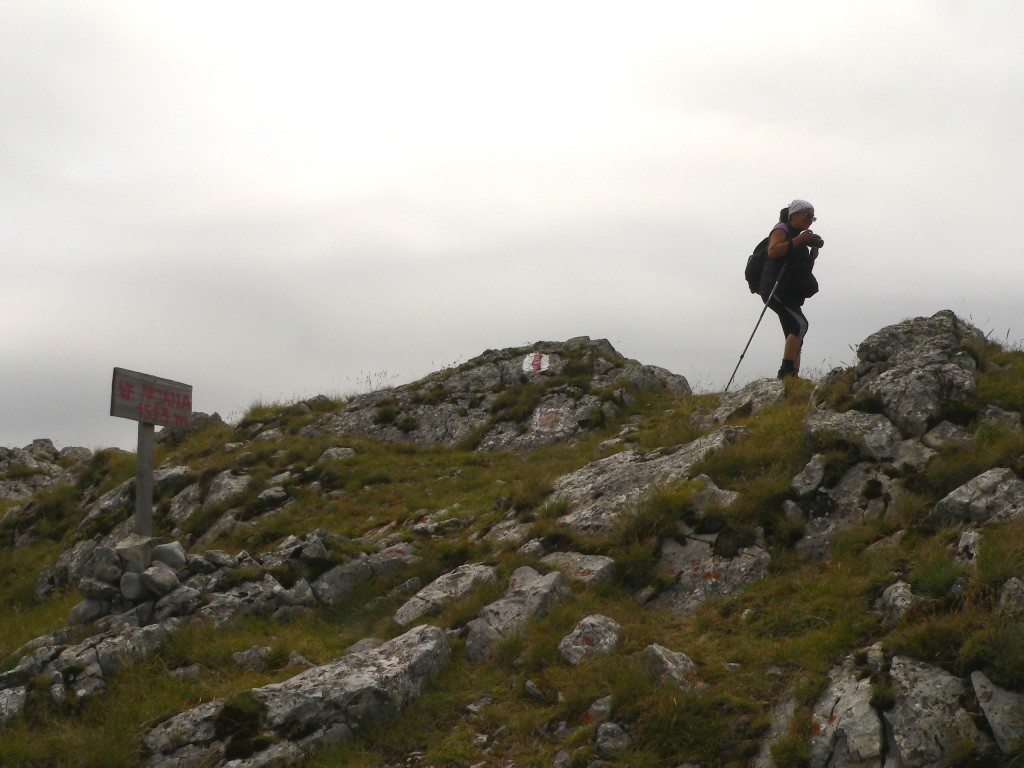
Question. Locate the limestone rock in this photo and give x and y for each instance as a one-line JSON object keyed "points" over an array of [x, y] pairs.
{"points": [[579, 567], [751, 399], [1004, 711], [119, 502], [847, 730], [159, 579], [12, 703], [996, 495], [88, 611], [611, 739], [872, 434], [600, 492], [529, 596], [661, 663], [446, 589], [916, 367], [185, 504], [335, 586], [226, 488], [895, 601], [478, 398], [172, 554], [701, 575], [927, 721], [1011, 596], [810, 478], [319, 706], [593, 636]]}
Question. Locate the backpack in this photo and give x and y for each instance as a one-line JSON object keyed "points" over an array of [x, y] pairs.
{"points": [[755, 266], [805, 284]]}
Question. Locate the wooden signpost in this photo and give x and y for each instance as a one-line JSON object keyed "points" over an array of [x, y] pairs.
{"points": [[148, 400]]}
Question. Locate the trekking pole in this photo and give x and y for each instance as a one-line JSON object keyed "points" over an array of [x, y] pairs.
{"points": [[763, 310]]}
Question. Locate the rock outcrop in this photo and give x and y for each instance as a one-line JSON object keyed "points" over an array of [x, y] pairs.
{"points": [[870, 433], [512, 399], [321, 706], [24, 471]]}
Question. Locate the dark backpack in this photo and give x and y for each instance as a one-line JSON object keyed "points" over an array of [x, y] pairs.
{"points": [[755, 266], [803, 279]]}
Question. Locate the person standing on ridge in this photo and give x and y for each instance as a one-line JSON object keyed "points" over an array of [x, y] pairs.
{"points": [[792, 251]]}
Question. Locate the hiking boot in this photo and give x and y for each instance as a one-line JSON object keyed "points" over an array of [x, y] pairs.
{"points": [[788, 369]]}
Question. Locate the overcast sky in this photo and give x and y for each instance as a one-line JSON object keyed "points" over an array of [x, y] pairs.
{"points": [[268, 201]]}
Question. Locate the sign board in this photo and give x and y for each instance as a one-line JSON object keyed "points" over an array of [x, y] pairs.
{"points": [[150, 399]]}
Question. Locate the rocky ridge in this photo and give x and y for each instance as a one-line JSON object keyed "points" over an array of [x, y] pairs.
{"points": [[872, 430]]}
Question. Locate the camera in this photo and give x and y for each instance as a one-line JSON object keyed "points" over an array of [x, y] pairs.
{"points": [[816, 242]]}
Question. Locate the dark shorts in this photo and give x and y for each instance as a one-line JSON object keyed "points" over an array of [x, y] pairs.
{"points": [[792, 318]]}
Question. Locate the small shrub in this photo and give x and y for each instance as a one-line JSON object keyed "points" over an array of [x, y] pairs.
{"points": [[553, 510], [109, 468], [883, 696], [516, 404], [530, 493], [836, 389], [385, 413], [937, 639], [20, 472], [934, 572], [51, 515], [998, 651], [435, 395], [659, 515], [635, 566], [791, 751], [1000, 556]]}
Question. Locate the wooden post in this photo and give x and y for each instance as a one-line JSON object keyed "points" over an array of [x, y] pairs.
{"points": [[144, 481]]}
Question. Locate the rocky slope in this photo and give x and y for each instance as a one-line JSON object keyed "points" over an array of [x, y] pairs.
{"points": [[872, 436]]}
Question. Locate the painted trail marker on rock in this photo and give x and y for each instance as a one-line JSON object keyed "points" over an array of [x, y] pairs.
{"points": [[148, 400], [536, 362]]}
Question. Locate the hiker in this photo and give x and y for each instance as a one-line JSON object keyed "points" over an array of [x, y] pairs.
{"points": [[792, 244]]}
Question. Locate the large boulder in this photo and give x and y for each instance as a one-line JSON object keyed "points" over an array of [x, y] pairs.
{"points": [[320, 706], [915, 368], [996, 495], [927, 722], [599, 493]]}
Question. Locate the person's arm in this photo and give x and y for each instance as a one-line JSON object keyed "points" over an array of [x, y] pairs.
{"points": [[779, 246]]}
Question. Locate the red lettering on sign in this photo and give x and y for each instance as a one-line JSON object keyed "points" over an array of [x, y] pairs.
{"points": [[149, 399]]}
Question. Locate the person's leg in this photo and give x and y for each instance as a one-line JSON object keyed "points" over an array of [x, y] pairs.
{"points": [[794, 326], [791, 352]]}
